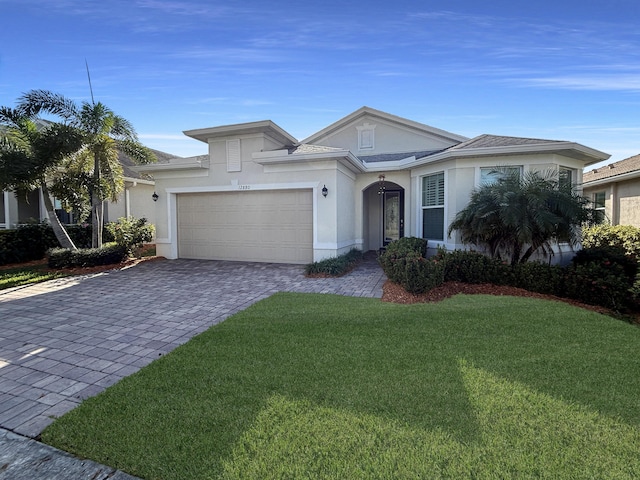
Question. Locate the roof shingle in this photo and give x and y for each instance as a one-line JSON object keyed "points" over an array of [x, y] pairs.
{"points": [[627, 165]]}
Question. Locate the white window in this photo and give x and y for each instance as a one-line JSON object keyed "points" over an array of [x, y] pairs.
{"points": [[599, 199], [566, 177], [433, 206], [234, 158], [366, 137], [490, 175]]}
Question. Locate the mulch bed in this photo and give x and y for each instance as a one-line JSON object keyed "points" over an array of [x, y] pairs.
{"points": [[394, 293], [82, 270]]}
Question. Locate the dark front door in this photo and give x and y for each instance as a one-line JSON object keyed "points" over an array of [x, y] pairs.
{"points": [[393, 216]]}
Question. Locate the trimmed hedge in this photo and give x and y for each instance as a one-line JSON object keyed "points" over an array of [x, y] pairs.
{"points": [[26, 243], [87, 257], [335, 266], [598, 276]]}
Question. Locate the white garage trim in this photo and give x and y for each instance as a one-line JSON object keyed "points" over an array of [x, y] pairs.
{"points": [[172, 212]]}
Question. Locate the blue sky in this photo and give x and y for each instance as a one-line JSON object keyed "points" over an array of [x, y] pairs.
{"points": [[562, 70]]}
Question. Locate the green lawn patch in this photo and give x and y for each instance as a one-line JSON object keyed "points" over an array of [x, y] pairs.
{"points": [[15, 277], [323, 386]]}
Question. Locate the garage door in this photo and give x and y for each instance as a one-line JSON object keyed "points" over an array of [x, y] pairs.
{"points": [[256, 226]]}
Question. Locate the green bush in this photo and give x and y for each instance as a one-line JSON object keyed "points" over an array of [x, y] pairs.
{"points": [[624, 236], [335, 266], [473, 267], [25, 243], [603, 276], [393, 260], [81, 233], [87, 257], [420, 274], [540, 277], [131, 233]]}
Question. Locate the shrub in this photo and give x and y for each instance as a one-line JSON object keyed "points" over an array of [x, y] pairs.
{"points": [[540, 277], [624, 236], [473, 267], [393, 260], [131, 233], [335, 266], [420, 274], [25, 243], [87, 257], [602, 276]]}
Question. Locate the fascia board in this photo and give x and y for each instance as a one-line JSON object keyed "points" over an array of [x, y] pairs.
{"points": [[262, 126], [165, 167], [139, 180], [282, 157], [556, 147]]}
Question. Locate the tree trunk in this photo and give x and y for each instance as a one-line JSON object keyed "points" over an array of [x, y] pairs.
{"points": [[97, 212], [97, 208], [58, 229]]}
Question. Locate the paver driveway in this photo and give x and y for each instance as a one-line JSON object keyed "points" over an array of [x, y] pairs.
{"points": [[65, 340]]}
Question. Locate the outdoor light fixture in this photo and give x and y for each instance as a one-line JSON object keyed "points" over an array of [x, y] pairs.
{"points": [[381, 185], [154, 196], [325, 190]]}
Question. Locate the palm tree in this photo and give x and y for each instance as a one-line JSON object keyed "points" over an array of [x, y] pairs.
{"points": [[30, 154], [518, 216], [103, 134]]}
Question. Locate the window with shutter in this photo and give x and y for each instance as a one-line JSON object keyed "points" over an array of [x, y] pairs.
{"points": [[433, 206]]}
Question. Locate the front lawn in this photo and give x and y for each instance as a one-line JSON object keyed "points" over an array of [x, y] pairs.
{"points": [[323, 386], [34, 272]]}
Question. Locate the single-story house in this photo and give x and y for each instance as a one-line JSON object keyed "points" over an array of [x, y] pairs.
{"points": [[615, 190], [361, 182], [135, 200]]}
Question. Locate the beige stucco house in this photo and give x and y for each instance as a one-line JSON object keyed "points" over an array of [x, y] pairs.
{"points": [[615, 190], [363, 181]]}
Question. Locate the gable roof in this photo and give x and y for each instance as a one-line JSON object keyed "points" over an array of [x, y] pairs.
{"points": [[629, 167], [372, 112]]}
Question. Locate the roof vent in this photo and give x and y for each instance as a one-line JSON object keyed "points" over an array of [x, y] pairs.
{"points": [[611, 166], [595, 170]]}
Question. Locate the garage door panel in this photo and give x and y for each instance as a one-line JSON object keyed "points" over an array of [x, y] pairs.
{"points": [[265, 226]]}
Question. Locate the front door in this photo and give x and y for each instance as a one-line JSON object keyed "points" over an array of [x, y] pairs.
{"points": [[392, 216]]}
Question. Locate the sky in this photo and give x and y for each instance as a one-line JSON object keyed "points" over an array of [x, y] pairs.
{"points": [[561, 70]]}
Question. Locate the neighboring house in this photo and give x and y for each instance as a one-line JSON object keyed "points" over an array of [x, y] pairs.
{"points": [[615, 190], [367, 179], [136, 200]]}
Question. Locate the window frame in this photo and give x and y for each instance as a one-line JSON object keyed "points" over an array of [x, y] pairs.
{"points": [[437, 203], [485, 180]]}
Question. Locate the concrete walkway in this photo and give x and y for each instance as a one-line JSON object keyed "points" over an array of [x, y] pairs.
{"points": [[65, 340]]}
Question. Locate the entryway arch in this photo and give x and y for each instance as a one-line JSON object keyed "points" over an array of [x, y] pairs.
{"points": [[383, 215]]}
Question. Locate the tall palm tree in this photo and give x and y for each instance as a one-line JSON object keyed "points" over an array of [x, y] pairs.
{"points": [[103, 134], [30, 154], [519, 215]]}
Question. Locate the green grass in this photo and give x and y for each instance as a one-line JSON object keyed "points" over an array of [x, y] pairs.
{"points": [[322, 386], [15, 277]]}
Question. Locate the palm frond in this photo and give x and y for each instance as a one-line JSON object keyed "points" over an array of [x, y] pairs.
{"points": [[35, 102]]}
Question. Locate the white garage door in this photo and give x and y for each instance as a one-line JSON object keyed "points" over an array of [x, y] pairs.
{"points": [[256, 226]]}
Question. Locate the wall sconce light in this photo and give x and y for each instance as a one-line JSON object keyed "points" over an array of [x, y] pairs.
{"points": [[381, 185], [154, 196], [325, 190]]}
